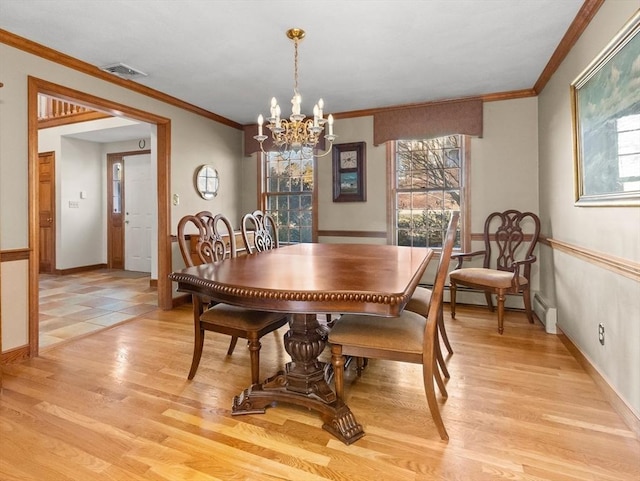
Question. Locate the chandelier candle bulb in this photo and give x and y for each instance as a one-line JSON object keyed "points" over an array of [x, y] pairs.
{"points": [[320, 107], [260, 121], [330, 121], [274, 103]]}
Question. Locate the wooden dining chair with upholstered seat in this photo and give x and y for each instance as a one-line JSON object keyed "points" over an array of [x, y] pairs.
{"points": [[259, 232], [215, 241], [513, 236], [409, 337]]}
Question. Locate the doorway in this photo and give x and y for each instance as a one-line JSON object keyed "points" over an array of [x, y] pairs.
{"points": [[130, 211], [162, 232]]}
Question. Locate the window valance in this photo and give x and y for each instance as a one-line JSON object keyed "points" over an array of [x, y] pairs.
{"points": [[429, 121]]}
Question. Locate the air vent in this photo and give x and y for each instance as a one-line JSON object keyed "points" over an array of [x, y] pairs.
{"points": [[124, 71]]}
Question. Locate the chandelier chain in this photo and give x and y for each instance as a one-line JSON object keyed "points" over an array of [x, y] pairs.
{"points": [[295, 63]]}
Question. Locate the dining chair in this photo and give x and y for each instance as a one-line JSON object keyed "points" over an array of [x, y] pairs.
{"points": [[513, 236], [214, 242], [259, 232], [409, 337]]}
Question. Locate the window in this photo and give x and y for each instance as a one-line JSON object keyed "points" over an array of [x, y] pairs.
{"points": [[629, 152], [288, 193], [428, 183]]}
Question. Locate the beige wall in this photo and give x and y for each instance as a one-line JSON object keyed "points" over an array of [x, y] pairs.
{"points": [[586, 294], [195, 140]]}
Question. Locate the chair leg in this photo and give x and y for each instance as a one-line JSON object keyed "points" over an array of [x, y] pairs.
{"points": [[232, 345], [526, 296], [487, 296], [452, 292], [198, 335], [337, 361], [254, 356], [501, 299], [198, 343], [427, 375]]}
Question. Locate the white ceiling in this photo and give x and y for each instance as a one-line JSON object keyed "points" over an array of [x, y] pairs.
{"points": [[231, 56]]}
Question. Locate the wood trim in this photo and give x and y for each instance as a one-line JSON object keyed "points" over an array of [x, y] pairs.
{"points": [[353, 233], [114, 109], [509, 95], [14, 355], [164, 215], [71, 119], [629, 416], [493, 97], [60, 58], [579, 24], [33, 87], [624, 267], [76, 270], [181, 300], [14, 255]]}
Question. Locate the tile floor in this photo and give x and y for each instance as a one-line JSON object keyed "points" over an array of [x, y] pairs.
{"points": [[78, 304]]}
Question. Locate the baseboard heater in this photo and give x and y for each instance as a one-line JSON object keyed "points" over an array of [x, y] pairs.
{"points": [[547, 314]]}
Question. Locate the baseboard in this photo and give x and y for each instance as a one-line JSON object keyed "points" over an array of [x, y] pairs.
{"points": [[76, 270], [626, 412], [180, 300], [15, 354]]}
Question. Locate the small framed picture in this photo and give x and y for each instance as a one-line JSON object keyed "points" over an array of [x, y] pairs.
{"points": [[349, 181]]}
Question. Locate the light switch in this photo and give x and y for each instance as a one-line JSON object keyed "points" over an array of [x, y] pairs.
{"points": [[176, 199], [83, 194]]}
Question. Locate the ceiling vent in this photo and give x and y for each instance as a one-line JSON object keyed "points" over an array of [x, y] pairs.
{"points": [[123, 71]]}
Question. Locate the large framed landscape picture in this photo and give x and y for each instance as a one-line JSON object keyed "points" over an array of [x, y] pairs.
{"points": [[606, 121]]}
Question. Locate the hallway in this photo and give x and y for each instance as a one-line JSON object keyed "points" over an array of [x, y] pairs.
{"points": [[78, 304]]}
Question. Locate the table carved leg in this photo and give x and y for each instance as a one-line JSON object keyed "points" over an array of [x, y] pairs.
{"points": [[303, 382]]}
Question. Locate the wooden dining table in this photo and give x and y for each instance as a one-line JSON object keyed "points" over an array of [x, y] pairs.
{"points": [[304, 280]]}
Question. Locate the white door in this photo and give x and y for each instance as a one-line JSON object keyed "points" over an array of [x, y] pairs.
{"points": [[138, 204]]}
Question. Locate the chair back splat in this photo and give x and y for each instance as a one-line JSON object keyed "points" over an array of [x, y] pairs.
{"points": [[259, 232], [509, 229], [214, 238]]}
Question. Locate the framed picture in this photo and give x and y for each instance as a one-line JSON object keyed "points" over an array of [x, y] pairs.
{"points": [[605, 101], [349, 181]]}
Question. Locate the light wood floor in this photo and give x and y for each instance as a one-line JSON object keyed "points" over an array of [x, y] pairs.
{"points": [[86, 302], [116, 405]]}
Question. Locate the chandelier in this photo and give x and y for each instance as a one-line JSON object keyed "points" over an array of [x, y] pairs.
{"points": [[298, 134]]}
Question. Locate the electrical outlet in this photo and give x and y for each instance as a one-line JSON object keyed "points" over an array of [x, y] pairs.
{"points": [[601, 333]]}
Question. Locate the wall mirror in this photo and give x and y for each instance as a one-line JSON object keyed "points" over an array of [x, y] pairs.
{"points": [[207, 181]]}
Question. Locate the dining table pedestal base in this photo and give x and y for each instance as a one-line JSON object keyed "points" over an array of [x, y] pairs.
{"points": [[303, 382]]}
